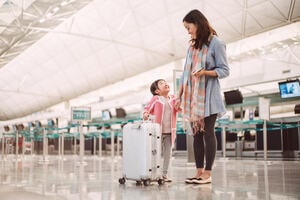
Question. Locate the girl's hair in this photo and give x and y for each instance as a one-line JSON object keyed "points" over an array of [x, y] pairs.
{"points": [[203, 28], [154, 86]]}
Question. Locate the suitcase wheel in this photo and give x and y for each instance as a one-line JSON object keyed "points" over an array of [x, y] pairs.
{"points": [[138, 183], [122, 180], [160, 181], [146, 182]]}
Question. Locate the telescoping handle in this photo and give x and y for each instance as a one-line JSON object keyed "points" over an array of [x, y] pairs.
{"points": [[137, 124], [151, 119]]}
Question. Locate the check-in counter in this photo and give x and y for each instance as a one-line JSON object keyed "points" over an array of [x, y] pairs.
{"points": [[283, 137]]}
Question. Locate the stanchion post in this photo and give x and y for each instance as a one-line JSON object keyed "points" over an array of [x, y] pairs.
{"points": [[62, 145], [265, 139], [23, 146], [81, 148], [100, 145], [2, 143], [32, 146], [59, 145], [17, 144], [75, 145], [264, 113], [44, 144], [94, 145], [112, 143], [224, 141], [118, 145]]}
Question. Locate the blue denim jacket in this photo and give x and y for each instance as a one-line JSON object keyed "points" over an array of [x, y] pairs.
{"points": [[216, 60]]}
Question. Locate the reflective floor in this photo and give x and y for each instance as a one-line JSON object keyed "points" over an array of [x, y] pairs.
{"points": [[67, 178]]}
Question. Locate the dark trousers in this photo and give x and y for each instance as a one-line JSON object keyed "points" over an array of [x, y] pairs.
{"points": [[206, 144]]}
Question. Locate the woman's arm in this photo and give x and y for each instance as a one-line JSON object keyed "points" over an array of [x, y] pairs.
{"points": [[202, 72], [221, 69]]}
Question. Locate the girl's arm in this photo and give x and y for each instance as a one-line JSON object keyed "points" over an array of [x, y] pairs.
{"points": [[149, 107]]}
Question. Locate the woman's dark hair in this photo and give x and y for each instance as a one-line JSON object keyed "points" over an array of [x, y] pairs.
{"points": [[154, 86], [203, 27]]}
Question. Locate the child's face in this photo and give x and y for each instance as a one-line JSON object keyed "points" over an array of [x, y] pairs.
{"points": [[163, 87]]}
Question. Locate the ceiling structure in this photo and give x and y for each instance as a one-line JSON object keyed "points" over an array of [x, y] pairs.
{"points": [[54, 51], [21, 22]]}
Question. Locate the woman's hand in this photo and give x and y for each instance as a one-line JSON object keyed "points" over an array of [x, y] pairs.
{"points": [[199, 73]]}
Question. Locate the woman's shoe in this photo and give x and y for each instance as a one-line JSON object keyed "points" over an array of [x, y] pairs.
{"points": [[166, 179], [190, 180], [202, 180], [196, 180]]}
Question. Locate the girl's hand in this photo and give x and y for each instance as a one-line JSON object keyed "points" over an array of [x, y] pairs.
{"points": [[145, 115], [177, 104]]}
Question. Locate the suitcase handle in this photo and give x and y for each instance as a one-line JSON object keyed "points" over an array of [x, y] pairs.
{"points": [[151, 118]]}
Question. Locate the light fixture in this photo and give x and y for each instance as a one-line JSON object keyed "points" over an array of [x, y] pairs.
{"points": [[55, 9], [42, 20], [64, 3]]}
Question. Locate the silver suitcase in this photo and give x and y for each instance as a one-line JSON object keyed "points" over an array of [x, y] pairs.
{"points": [[141, 153]]}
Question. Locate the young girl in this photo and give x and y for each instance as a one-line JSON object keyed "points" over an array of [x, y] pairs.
{"points": [[162, 106]]}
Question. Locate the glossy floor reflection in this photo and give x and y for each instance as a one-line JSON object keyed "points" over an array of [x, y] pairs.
{"points": [[30, 178]]}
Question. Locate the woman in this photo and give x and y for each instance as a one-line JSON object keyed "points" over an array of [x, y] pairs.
{"points": [[200, 93]]}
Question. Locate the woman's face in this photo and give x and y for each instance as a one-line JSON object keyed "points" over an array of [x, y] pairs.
{"points": [[191, 28]]}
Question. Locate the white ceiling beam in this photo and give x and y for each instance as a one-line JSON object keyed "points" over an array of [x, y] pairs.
{"points": [[263, 39], [291, 10]]}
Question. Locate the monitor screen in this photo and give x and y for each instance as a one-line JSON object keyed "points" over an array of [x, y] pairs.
{"points": [[289, 89], [120, 113], [30, 124], [14, 127], [233, 97], [6, 128], [106, 115], [38, 124], [51, 123]]}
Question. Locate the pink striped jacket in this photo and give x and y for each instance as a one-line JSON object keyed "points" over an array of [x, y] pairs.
{"points": [[156, 107]]}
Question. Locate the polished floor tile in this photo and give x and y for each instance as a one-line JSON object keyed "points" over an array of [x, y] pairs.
{"points": [[30, 178]]}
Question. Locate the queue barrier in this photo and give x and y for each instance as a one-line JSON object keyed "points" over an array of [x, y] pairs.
{"points": [[40, 134], [282, 136]]}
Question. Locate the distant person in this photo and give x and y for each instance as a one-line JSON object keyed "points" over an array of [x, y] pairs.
{"points": [[292, 89], [162, 106], [284, 89], [200, 92]]}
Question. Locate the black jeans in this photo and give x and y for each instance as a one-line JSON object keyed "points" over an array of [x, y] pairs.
{"points": [[206, 143]]}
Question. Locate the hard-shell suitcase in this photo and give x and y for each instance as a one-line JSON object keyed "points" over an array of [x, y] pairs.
{"points": [[141, 153]]}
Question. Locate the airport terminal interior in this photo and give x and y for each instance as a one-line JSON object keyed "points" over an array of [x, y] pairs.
{"points": [[75, 74]]}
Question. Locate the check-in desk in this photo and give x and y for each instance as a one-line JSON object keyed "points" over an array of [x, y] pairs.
{"points": [[283, 137], [233, 141]]}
